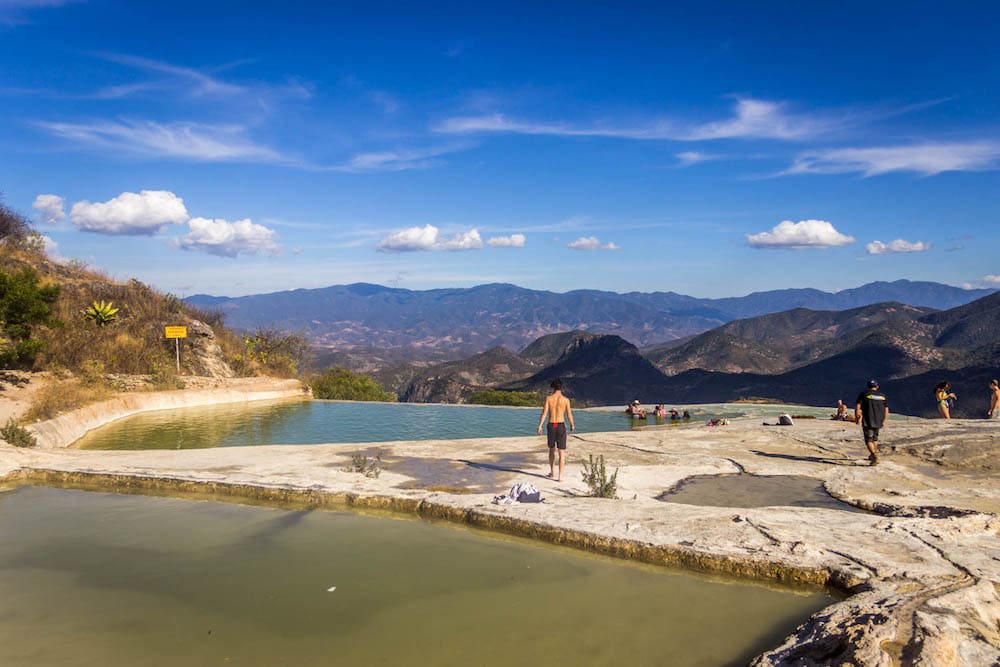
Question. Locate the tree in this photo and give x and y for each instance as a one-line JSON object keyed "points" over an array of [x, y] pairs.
{"points": [[345, 385], [23, 304], [13, 225]]}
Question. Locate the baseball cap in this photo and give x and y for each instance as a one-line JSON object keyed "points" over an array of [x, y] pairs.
{"points": [[872, 384]]}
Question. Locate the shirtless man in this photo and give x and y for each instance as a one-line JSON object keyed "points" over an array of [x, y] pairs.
{"points": [[556, 409]]}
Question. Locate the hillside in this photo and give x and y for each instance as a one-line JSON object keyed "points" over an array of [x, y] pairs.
{"points": [[778, 342], [72, 320], [603, 370], [457, 322], [454, 382], [800, 356]]}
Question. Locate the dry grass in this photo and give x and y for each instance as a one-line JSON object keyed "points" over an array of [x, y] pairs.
{"points": [[64, 395], [133, 343]]}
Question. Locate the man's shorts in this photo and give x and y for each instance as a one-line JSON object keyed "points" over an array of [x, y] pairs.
{"points": [[871, 434], [557, 435]]}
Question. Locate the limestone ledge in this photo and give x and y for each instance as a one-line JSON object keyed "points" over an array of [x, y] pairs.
{"points": [[64, 430], [921, 573]]}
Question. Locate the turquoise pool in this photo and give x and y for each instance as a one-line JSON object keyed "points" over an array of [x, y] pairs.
{"points": [[317, 422]]}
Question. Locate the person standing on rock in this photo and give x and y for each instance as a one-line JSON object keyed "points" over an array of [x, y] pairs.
{"points": [[871, 410], [994, 411], [557, 410]]}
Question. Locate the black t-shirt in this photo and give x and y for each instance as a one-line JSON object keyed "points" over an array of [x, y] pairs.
{"points": [[873, 406]]}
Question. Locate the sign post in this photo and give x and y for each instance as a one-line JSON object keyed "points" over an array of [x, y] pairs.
{"points": [[176, 333]]}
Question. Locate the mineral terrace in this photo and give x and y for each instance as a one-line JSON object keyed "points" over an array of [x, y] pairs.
{"points": [[921, 564]]}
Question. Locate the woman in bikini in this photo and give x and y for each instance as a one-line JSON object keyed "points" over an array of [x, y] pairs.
{"points": [[942, 392]]}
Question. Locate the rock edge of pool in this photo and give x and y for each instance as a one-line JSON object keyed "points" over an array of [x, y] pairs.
{"points": [[921, 567]]}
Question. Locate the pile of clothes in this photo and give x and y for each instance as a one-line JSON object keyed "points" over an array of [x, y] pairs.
{"points": [[525, 492]]}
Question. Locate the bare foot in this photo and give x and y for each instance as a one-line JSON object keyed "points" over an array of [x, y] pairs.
{"points": [[559, 480], [550, 475]]}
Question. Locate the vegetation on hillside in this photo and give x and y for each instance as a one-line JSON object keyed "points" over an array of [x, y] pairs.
{"points": [[269, 351], [25, 304], [92, 331], [345, 385], [507, 398]]}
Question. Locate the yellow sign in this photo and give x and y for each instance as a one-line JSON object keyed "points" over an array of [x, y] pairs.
{"points": [[177, 332]]}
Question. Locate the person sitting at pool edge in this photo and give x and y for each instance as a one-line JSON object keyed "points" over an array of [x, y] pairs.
{"points": [[557, 409]]}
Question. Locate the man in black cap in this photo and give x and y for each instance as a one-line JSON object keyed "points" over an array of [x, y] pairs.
{"points": [[871, 410]]}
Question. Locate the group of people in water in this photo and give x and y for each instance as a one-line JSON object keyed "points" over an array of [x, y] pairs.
{"points": [[635, 410]]}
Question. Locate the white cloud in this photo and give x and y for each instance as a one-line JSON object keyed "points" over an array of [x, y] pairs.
{"points": [[688, 158], [469, 240], [927, 159], [397, 160], [591, 243], [228, 239], [198, 83], [512, 241], [800, 236], [130, 213], [751, 119], [428, 237], [50, 207], [991, 280], [191, 141], [899, 245], [178, 80]]}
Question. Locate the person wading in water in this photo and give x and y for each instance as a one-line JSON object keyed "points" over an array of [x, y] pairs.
{"points": [[557, 410]]}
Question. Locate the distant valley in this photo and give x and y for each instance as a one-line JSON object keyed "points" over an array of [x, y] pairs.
{"points": [[446, 345], [443, 324]]}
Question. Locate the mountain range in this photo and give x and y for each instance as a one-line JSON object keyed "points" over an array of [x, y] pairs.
{"points": [[797, 356], [442, 324]]}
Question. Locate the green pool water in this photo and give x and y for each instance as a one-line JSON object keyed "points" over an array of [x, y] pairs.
{"points": [[315, 422], [104, 579]]}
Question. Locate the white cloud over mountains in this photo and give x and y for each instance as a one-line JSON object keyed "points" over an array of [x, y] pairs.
{"points": [[591, 243], [228, 239], [428, 237], [512, 241], [897, 246], [51, 208], [148, 212], [802, 235], [142, 214]]}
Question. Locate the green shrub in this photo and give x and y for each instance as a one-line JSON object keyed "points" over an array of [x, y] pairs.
{"points": [[272, 352], [368, 467], [595, 475], [17, 435], [345, 385], [24, 303], [510, 398]]}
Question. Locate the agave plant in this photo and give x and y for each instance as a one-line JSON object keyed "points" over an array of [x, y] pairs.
{"points": [[102, 313]]}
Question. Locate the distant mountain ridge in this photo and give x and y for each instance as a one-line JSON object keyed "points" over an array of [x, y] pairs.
{"points": [[462, 321], [798, 356]]}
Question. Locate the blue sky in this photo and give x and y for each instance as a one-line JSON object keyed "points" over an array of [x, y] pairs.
{"points": [[712, 149]]}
